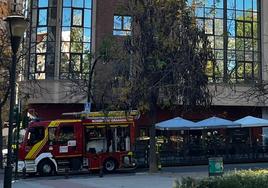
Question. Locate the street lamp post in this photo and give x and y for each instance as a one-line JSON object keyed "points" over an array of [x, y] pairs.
{"points": [[16, 26]]}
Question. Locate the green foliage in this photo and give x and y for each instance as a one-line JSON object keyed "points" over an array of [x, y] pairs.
{"points": [[162, 62], [239, 179], [170, 55]]}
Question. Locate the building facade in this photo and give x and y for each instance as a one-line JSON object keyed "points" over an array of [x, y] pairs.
{"points": [[63, 32]]}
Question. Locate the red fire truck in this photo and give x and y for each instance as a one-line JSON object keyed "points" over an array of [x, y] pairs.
{"points": [[93, 141]]}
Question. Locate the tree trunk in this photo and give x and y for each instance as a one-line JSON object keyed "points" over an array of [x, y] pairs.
{"points": [[152, 156], [1, 139]]}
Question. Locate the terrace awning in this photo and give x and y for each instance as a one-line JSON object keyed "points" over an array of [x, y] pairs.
{"points": [[250, 121], [216, 122], [177, 123]]}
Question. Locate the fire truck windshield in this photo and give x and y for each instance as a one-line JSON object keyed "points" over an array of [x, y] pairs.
{"points": [[35, 134]]}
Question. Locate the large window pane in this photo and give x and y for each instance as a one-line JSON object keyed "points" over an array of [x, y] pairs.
{"points": [[76, 63], [78, 3], [117, 22], [248, 5], [248, 29], [127, 23], [87, 47], [240, 4], [218, 27], [219, 3], [40, 63], [88, 4], [255, 6], [42, 3], [76, 47], [77, 34], [231, 14], [87, 35], [66, 17], [231, 4], [65, 58], [209, 3], [231, 28], [209, 26], [66, 34], [87, 18], [42, 17], [67, 3], [77, 17]]}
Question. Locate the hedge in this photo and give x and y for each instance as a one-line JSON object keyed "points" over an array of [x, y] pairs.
{"points": [[238, 179]]}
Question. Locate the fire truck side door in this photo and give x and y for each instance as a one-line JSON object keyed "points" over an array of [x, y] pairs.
{"points": [[67, 141]]}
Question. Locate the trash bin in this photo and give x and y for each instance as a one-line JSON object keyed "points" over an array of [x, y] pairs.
{"points": [[215, 166]]}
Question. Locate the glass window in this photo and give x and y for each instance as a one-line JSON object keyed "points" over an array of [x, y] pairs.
{"points": [[248, 5], [219, 3], [87, 47], [240, 4], [87, 18], [76, 37], [231, 4], [127, 23], [66, 34], [209, 26], [122, 25], [76, 47], [255, 7], [35, 135], [52, 135], [42, 3], [66, 15], [40, 63], [65, 62], [88, 3], [231, 28], [209, 3], [87, 35], [67, 3], [117, 22], [77, 17], [218, 27], [77, 34], [78, 3], [75, 63], [42, 17], [66, 133]]}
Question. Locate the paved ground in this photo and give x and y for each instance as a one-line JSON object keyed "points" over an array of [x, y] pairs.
{"points": [[140, 179]]}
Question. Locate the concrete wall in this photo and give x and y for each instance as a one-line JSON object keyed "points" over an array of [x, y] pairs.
{"points": [[264, 46], [52, 91], [103, 11]]}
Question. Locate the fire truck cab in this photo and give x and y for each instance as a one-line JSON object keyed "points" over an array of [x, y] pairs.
{"points": [[95, 141]]}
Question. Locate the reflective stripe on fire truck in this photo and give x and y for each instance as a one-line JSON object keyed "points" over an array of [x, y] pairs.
{"points": [[39, 145]]}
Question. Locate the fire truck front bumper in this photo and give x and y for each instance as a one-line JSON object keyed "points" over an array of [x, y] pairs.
{"points": [[27, 166]]}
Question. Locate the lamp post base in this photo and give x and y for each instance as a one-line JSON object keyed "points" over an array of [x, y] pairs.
{"points": [[8, 177]]}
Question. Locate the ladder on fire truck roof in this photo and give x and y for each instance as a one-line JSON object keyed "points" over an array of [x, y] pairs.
{"points": [[91, 115]]}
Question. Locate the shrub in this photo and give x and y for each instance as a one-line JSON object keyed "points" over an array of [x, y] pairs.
{"points": [[239, 179]]}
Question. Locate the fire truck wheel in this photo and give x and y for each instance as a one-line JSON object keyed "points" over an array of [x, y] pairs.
{"points": [[109, 165], [45, 168]]}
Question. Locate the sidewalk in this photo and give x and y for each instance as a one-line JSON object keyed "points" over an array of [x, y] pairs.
{"points": [[163, 179]]}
